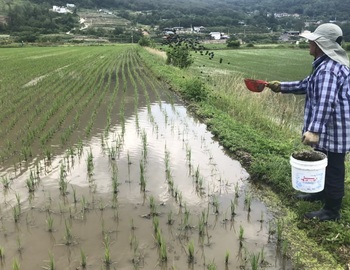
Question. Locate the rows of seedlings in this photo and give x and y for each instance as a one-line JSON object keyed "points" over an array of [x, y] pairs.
{"points": [[134, 182]]}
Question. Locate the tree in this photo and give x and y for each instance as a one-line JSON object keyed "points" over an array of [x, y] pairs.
{"points": [[178, 55]]}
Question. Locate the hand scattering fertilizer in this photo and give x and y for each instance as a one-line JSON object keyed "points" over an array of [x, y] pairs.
{"points": [[308, 171]]}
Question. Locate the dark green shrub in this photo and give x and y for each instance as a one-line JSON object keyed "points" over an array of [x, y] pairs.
{"points": [[233, 44], [194, 90], [145, 42]]}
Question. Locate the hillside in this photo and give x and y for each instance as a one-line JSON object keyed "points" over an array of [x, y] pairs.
{"points": [[248, 17]]}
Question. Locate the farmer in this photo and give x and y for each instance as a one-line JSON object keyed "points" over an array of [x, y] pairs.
{"points": [[327, 113]]}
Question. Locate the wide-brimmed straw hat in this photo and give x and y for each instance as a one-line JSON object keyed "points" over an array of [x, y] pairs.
{"points": [[328, 37]]}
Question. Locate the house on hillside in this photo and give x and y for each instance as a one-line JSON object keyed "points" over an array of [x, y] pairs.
{"points": [[215, 35], [198, 29], [62, 10], [218, 35]]}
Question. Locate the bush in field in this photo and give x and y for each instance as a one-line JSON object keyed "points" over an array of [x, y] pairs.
{"points": [[179, 55], [146, 42], [233, 42], [194, 90]]}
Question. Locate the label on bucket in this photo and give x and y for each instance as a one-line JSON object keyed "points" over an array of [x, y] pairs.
{"points": [[308, 182]]}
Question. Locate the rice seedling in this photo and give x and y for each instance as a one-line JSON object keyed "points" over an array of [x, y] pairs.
{"points": [[163, 251], [16, 265], [155, 222], [190, 249], [16, 213], [30, 184], [186, 218], [197, 175], [159, 237], [142, 177], [102, 206], [236, 190], [52, 265], [18, 200], [254, 261], [180, 199], [152, 206], [211, 266], [75, 199], [49, 222], [261, 220], [241, 235], [189, 155], [19, 244], [107, 251], [133, 227], [68, 236], [201, 226], [2, 253], [233, 209], [216, 205], [83, 259], [279, 229], [170, 218], [63, 183], [5, 181], [227, 256], [144, 143], [90, 163], [112, 153], [248, 201], [262, 255]]}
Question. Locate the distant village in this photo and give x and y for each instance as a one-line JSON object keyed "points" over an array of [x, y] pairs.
{"points": [[64, 9]]}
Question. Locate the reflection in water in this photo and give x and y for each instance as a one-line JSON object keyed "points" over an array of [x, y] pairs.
{"points": [[195, 192]]}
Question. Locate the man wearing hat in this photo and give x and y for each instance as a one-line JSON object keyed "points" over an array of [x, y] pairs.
{"points": [[326, 114]]}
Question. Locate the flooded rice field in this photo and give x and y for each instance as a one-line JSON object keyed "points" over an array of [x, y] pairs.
{"points": [[153, 191], [121, 198]]}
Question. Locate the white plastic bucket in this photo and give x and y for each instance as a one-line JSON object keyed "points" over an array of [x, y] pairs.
{"points": [[309, 176]]}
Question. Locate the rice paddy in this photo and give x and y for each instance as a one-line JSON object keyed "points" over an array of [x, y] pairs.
{"points": [[102, 167]]}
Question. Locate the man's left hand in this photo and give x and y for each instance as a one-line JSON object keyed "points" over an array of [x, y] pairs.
{"points": [[310, 138]]}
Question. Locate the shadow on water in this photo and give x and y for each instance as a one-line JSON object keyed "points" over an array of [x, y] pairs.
{"points": [[140, 197]]}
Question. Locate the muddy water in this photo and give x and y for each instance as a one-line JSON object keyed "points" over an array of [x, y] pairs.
{"points": [[187, 178]]}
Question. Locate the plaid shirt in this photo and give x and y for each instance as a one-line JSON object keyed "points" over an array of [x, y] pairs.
{"points": [[327, 103]]}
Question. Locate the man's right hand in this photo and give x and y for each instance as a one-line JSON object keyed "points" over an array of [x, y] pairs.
{"points": [[275, 86]]}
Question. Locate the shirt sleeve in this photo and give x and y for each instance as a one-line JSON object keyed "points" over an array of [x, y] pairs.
{"points": [[324, 95], [294, 87]]}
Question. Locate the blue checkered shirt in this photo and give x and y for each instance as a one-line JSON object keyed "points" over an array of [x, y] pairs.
{"points": [[327, 103]]}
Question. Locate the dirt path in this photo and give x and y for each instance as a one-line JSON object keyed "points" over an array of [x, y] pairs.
{"points": [[156, 52]]}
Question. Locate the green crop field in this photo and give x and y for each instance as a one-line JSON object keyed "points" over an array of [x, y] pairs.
{"points": [[265, 64]]}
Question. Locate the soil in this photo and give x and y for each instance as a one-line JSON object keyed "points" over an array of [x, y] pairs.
{"points": [[309, 155]]}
